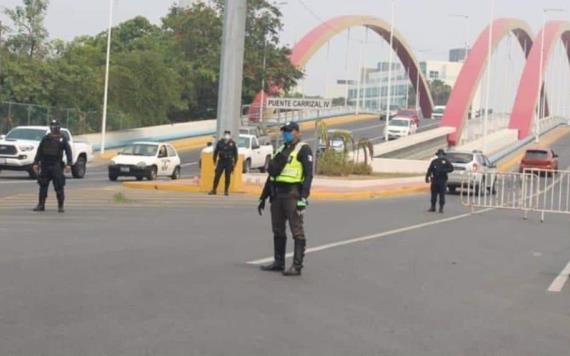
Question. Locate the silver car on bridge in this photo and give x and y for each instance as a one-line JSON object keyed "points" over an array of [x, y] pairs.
{"points": [[473, 170]]}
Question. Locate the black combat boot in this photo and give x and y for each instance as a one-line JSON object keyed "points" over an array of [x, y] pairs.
{"points": [[295, 269], [212, 192], [60, 200], [278, 265], [432, 209], [41, 204], [441, 209]]}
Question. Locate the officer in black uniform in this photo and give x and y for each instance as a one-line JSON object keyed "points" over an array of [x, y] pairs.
{"points": [[288, 187], [437, 175], [225, 159], [49, 165]]}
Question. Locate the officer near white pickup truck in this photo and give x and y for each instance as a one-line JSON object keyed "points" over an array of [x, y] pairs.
{"points": [[288, 187], [49, 166]]}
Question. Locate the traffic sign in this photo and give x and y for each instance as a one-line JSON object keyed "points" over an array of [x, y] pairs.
{"points": [[298, 103]]}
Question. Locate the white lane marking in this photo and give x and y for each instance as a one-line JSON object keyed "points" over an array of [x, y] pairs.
{"points": [[18, 182], [375, 236], [189, 164], [559, 282]]}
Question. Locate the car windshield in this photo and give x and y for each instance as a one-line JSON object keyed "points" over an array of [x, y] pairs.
{"points": [[536, 155], [438, 110], [140, 149], [243, 142], [399, 123], [26, 134], [455, 157]]}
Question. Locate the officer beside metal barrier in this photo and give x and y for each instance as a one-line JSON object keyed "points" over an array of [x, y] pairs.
{"points": [[437, 173], [49, 166], [288, 187], [225, 160]]}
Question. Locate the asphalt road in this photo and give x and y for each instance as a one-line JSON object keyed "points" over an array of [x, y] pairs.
{"points": [[18, 182], [173, 279], [157, 273]]}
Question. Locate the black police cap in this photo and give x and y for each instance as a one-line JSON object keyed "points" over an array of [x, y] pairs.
{"points": [[290, 126]]}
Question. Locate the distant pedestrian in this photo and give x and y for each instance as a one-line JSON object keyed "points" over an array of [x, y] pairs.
{"points": [[225, 160], [288, 187], [436, 174]]}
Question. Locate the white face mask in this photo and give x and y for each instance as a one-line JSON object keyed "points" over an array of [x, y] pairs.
{"points": [[227, 137]]}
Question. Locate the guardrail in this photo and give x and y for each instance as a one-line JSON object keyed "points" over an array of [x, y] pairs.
{"points": [[415, 146], [547, 125]]}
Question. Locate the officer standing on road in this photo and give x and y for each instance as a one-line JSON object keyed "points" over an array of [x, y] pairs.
{"points": [[288, 187], [225, 159], [49, 166], [437, 175]]}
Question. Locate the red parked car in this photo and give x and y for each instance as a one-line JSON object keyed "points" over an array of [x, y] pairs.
{"points": [[539, 158], [409, 114]]}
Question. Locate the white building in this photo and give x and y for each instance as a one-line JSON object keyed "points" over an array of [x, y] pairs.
{"points": [[374, 87]]}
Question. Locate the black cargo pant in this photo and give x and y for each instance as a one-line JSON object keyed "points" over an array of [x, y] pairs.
{"points": [[223, 166], [284, 210], [438, 189], [52, 172]]}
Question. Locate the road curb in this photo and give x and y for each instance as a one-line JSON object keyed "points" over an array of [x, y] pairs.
{"points": [[255, 190]]}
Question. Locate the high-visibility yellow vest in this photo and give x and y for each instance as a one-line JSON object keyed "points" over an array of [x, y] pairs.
{"points": [[292, 173]]}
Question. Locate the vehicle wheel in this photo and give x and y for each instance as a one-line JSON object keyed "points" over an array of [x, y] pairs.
{"points": [[139, 178], [452, 190], [113, 177], [265, 165], [176, 174], [152, 173], [32, 174], [247, 166], [79, 168]]}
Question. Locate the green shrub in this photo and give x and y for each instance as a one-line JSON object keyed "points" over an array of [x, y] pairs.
{"points": [[336, 164]]}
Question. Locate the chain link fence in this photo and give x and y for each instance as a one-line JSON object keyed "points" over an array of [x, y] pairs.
{"points": [[77, 121]]}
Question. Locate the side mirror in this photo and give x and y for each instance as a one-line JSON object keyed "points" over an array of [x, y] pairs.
{"points": [[209, 144], [2, 137]]}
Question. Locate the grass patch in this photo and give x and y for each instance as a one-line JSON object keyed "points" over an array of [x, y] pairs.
{"points": [[120, 198]]}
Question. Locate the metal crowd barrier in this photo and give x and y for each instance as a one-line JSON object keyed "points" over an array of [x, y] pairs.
{"points": [[533, 190]]}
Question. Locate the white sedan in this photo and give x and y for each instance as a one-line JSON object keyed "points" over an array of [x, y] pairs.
{"points": [[146, 160]]}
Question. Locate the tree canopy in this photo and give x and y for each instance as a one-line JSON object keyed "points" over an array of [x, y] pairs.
{"points": [[159, 73]]}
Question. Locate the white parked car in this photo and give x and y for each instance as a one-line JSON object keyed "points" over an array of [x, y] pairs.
{"points": [[474, 166], [148, 160], [400, 127], [438, 112], [18, 150], [255, 155]]}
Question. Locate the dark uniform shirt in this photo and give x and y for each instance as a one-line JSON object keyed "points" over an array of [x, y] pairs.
{"points": [[51, 149], [306, 158], [226, 151], [438, 169]]}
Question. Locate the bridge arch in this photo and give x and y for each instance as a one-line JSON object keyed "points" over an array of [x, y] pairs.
{"points": [[526, 101], [306, 48], [474, 67]]}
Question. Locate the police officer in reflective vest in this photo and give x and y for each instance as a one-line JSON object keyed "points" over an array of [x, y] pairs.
{"points": [[49, 166], [437, 173], [288, 187], [225, 159]]}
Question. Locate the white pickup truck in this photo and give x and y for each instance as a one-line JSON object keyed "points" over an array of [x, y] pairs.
{"points": [[19, 147], [255, 155]]}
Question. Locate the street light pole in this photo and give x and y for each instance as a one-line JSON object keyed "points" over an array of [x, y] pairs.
{"points": [[262, 105], [106, 90], [541, 86], [391, 58], [466, 34], [489, 76]]}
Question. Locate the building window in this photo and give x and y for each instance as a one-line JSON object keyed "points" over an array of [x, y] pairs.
{"points": [[433, 74]]}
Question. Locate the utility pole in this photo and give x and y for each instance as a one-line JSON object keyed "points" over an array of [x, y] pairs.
{"points": [[231, 68], [390, 60], [107, 66]]}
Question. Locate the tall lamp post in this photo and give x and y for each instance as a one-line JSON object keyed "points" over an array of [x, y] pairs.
{"points": [[489, 76], [541, 86], [390, 60], [106, 90], [466, 34]]}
